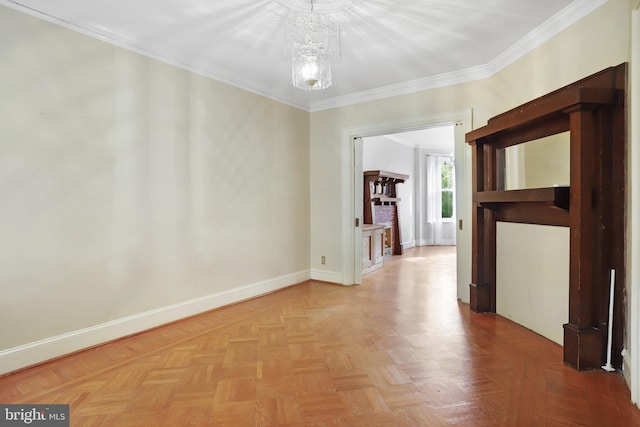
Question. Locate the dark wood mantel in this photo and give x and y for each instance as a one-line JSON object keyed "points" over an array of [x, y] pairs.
{"points": [[592, 206]]}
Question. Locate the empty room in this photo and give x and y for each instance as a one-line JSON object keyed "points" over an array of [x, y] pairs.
{"points": [[195, 230]]}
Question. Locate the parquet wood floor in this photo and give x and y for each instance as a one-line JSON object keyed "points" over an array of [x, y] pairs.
{"points": [[399, 350]]}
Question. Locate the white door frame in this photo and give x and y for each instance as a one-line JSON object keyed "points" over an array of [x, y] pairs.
{"points": [[352, 191], [631, 360]]}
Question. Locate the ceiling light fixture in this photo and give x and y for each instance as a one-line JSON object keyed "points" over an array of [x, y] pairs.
{"points": [[314, 41]]}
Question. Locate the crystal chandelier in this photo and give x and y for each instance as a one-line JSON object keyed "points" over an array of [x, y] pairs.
{"points": [[313, 40]]}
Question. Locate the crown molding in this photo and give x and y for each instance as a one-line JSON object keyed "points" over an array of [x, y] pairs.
{"points": [[154, 51], [551, 27], [432, 82], [554, 25]]}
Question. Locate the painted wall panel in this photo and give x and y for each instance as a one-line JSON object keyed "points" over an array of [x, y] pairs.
{"points": [[127, 184]]}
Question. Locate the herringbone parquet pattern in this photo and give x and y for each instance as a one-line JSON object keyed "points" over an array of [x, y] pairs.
{"points": [[399, 350]]}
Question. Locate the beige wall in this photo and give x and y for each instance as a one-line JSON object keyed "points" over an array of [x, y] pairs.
{"points": [[599, 40], [127, 185], [547, 161]]}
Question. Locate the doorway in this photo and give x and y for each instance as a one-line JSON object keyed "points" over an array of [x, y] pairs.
{"points": [[352, 191], [426, 209]]}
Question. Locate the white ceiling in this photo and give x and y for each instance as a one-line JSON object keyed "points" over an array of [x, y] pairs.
{"points": [[388, 46]]}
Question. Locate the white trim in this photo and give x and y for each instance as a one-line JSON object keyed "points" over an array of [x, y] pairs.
{"points": [[409, 244], [551, 27], [49, 348], [554, 25], [326, 276], [463, 206], [418, 225], [627, 372], [155, 51], [357, 162], [632, 354], [431, 82]]}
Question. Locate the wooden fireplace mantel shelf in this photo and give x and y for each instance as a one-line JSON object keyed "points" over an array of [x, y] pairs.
{"points": [[543, 206], [556, 196], [593, 111]]}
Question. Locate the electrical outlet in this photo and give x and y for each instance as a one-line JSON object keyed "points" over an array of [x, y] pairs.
{"points": [[324, 260]]}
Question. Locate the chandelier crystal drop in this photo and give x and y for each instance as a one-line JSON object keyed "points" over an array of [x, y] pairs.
{"points": [[313, 40]]}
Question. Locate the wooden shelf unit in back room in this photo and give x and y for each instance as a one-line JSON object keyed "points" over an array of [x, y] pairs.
{"points": [[380, 205], [593, 111]]}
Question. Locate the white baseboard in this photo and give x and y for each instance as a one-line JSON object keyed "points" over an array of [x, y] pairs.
{"points": [[40, 351], [408, 245], [626, 366], [328, 276]]}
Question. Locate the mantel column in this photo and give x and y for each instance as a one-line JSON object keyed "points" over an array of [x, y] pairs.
{"points": [[482, 290], [582, 338]]}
